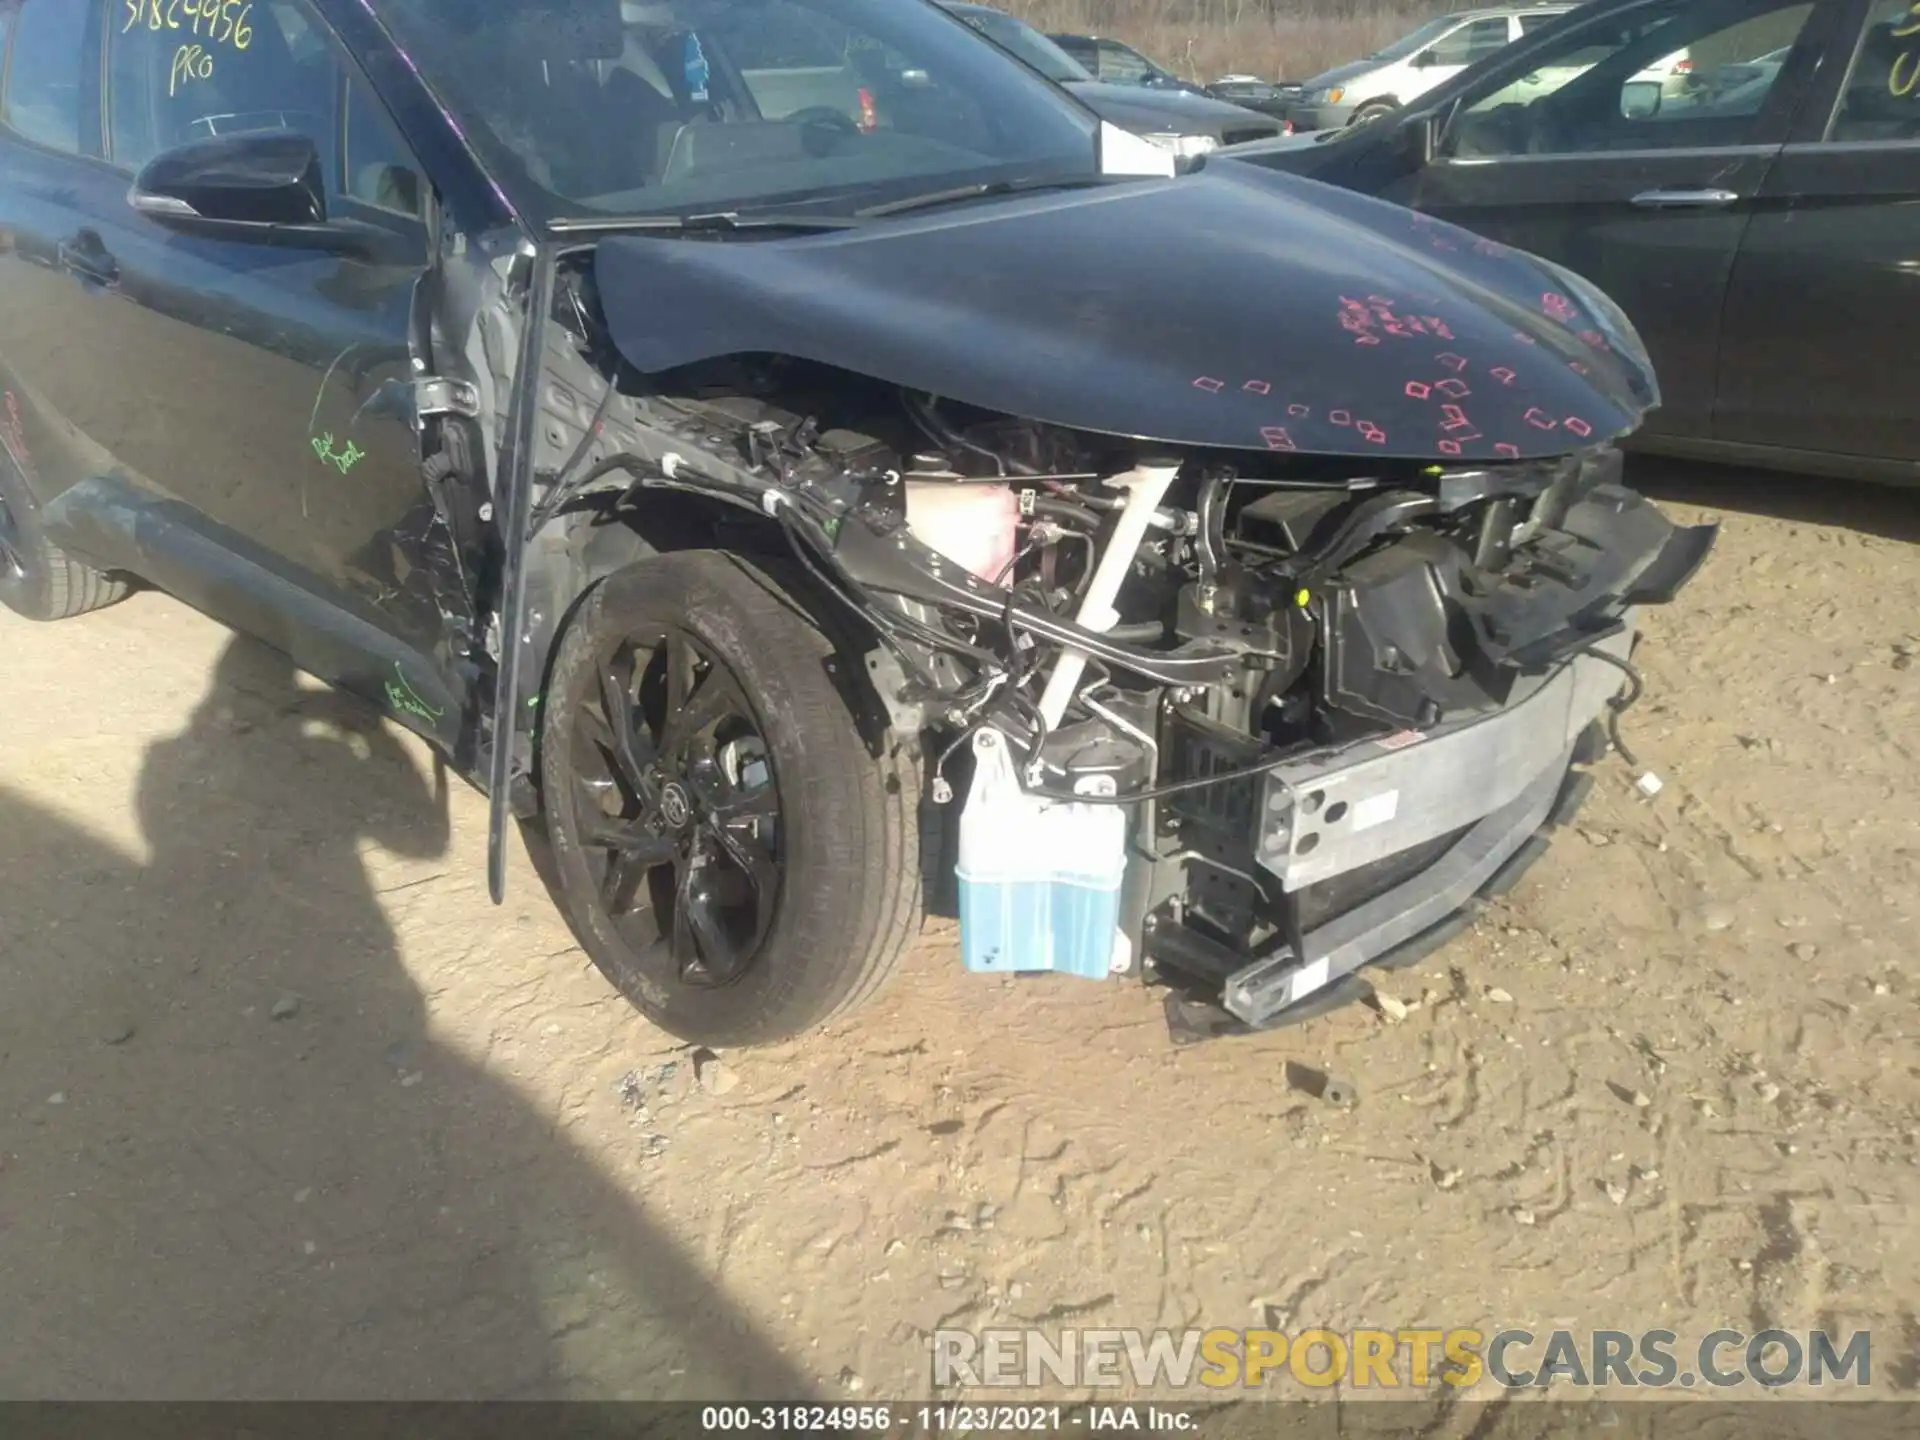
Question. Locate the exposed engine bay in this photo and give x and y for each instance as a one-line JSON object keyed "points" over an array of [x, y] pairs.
{"points": [[1232, 695], [1216, 578]]}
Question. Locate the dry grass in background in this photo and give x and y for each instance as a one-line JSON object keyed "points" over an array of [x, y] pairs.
{"points": [[1205, 39]]}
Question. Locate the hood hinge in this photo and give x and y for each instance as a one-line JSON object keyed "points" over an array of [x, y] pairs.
{"points": [[438, 395]]}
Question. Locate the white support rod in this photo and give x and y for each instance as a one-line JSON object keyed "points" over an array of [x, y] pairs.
{"points": [[1146, 487]]}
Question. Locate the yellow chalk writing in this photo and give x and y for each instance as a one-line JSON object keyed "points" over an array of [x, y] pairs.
{"points": [[1904, 77], [190, 62], [214, 22], [223, 22]]}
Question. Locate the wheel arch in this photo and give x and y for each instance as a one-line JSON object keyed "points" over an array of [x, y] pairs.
{"points": [[604, 534]]}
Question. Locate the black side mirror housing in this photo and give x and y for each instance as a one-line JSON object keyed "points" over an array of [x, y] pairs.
{"points": [[266, 188], [1417, 139], [268, 180], [1422, 60]]}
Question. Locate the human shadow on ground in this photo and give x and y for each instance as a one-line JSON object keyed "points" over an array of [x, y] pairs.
{"points": [[201, 1200]]}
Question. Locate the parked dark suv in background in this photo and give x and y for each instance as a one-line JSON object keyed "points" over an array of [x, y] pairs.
{"points": [[1118, 63], [1113, 63], [1180, 118], [1758, 227]]}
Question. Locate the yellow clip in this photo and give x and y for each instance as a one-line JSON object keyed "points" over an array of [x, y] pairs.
{"points": [[1302, 598]]}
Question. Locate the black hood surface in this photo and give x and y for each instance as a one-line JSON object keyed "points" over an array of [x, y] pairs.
{"points": [[1233, 307]]}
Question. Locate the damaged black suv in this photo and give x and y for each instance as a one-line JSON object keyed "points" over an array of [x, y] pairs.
{"points": [[753, 438]]}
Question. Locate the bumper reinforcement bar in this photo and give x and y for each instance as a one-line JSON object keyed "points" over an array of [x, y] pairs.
{"points": [[1258, 993]]}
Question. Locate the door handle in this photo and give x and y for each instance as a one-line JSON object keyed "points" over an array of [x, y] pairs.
{"points": [[87, 259], [1685, 199]]}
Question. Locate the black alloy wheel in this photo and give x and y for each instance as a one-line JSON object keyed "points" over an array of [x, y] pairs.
{"points": [[676, 796], [733, 828]]}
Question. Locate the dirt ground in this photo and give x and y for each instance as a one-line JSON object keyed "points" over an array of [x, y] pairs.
{"points": [[291, 1110]]}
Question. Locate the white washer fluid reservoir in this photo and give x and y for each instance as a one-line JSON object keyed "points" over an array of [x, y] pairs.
{"points": [[1039, 879]]}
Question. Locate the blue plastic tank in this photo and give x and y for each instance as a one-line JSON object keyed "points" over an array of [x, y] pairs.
{"points": [[1039, 879]]}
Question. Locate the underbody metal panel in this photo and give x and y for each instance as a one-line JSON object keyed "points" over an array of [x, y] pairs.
{"points": [[1234, 308], [1323, 817], [1260, 991]]}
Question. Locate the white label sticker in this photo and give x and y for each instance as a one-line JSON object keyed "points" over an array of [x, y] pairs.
{"points": [[1375, 809], [1308, 979]]}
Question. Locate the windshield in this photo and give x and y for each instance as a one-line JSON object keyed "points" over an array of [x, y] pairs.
{"points": [[1417, 40], [1025, 43], [599, 108]]}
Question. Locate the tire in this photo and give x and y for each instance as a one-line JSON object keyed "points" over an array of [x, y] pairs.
{"points": [[37, 578], [663, 857], [1369, 113]]}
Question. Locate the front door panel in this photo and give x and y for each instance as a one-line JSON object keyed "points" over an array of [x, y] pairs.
{"points": [[252, 394], [1822, 311], [48, 301], [266, 388], [1668, 268], [1586, 151]]}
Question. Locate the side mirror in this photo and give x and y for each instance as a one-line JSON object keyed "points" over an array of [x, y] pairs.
{"points": [[1423, 60], [1640, 99], [234, 183], [1418, 139], [265, 188]]}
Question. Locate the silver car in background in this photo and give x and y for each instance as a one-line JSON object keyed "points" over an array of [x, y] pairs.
{"points": [[1377, 84]]}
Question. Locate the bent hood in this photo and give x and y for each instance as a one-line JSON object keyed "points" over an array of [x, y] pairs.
{"points": [[1234, 307]]}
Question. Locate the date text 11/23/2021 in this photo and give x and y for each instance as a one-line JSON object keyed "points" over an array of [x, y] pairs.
{"points": [[213, 23]]}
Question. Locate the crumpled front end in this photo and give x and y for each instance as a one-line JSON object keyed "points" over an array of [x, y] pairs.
{"points": [[1459, 670], [1249, 619]]}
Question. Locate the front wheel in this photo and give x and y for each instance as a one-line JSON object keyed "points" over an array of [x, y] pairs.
{"points": [[728, 849], [1367, 114]]}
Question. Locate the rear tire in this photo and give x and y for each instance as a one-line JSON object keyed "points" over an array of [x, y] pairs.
{"points": [[748, 870], [37, 578]]}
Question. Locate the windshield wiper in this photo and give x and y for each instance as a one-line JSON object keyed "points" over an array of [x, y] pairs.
{"points": [[986, 188], [719, 222]]}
